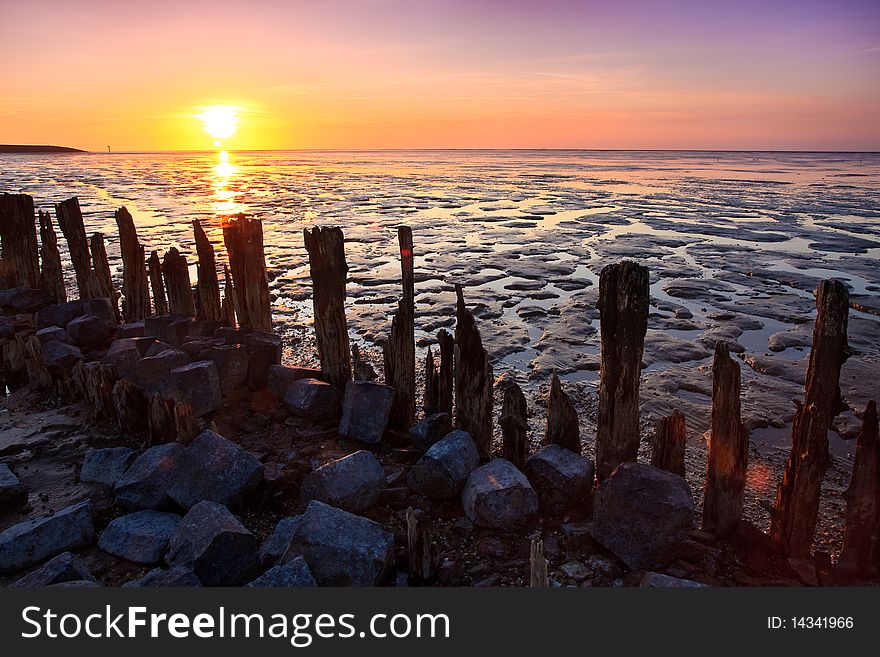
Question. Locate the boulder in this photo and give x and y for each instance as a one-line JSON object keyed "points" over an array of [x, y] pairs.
{"points": [[156, 347], [101, 308], [60, 354], [444, 468], [560, 477], [313, 400], [653, 580], [66, 567], [198, 384], [12, 491], [60, 314], [140, 344], [106, 466], [89, 332], [214, 469], [294, 573], [215, 545], [7, 328], [165, 577], [264, 350], [130, 330], [171, 329], [352, 483], [643, 515], [427, 432], [278, 377], [52, 333], [141, 536], [145, 484], [499, 496], [232, 365], [365, 410], [274, 547], [31, 541], [154, 372], [341, 549]]}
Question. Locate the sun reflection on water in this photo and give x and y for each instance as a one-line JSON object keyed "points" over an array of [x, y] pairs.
{"points": [[225, 183]]}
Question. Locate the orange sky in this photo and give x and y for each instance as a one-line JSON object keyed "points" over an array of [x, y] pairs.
{"points": [[391, 74]]}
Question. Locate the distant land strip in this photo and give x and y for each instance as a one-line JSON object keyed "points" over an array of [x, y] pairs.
{"points": [[28, 148]]}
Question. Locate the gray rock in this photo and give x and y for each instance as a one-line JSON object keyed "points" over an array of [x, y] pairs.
{"points": [[156, 347], [215, 545], [427, 432], [23, 300], [313, 400], [294, 573], [560, 477], [89, 332], [264, 350], [643, 514], [365, 410], [101, 308], [106, 466], [274, 547], [342, 549], [352, 483], [139, 344], [653, 580], [214, 469], [164, 577], [52, 333], [130, 330], [124, 355], [498, 495], [12, 491], [60, 354], [31, 541], [232, 365], [66, 567], [60, 314], [145, 484], [154, 372], [7, 328], [279, 377], [198, 384], [171, 329], [444, 468], [141, 536], [77, 584]]}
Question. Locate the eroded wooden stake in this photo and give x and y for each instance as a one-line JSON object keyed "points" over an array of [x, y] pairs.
{"points": [[514, 423], [538, 577], [70, 221], [446, 372], [18, 241], [563, 427], [400, 349], [861, 534], [157, 284], [243, 237], [52, 273], [431, 398], [175, 271], [418, 541], [136, 297], [208, 304], [473, 380], [669, 444], [102, 278], [228, 307]]}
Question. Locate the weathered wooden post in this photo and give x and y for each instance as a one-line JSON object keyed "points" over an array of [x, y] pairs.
{"points": [[326, 248], [861, 534], [669, 444], [136, 297], [538, 577], [228, 305], [243, 237], [514, 423], [18, 240], [793, 521], [130, 406], [52, 273], [473, 380], [728, 456], [563, 427], [400, 348], [420, 558], [623, 309], [208, 305], [446, 372], [70, 220], [157, 285], [175, 271], [431, 398], [362, 369], [161, 420], [102, 278]]}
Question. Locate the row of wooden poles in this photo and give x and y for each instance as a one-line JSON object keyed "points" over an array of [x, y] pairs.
{"points": [[24, 263], [463, 380]]}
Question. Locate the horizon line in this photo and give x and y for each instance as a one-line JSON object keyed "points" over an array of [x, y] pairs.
{"points": [[468, 149]]}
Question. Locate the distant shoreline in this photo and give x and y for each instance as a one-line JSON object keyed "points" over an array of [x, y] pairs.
{"points": [[27, 148]]}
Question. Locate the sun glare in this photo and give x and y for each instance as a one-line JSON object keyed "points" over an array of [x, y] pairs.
{"points": [[219, 121]]}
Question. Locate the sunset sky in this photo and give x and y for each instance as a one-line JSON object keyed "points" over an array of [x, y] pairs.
{"points": [[798, 74]]}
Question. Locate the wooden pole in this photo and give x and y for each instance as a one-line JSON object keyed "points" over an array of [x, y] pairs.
{"points": [[538, 577], [431, 398], [562, 426], [102, 279], [861, 534], [130, 406], [728, 457], [669, 444], [623, 310], [18, 241], [793, 521], [514, 423], [400, 348], [446, 372], [243, 237], [157, 285], [208, 305], [326, 248], [473, 380], [136, 297], [418, 546], [70, 221], [52, 274], [228, 306], [175, 271], [161, 420]]}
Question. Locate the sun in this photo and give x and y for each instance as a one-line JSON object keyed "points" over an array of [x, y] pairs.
{"points": [[219, 121]]}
